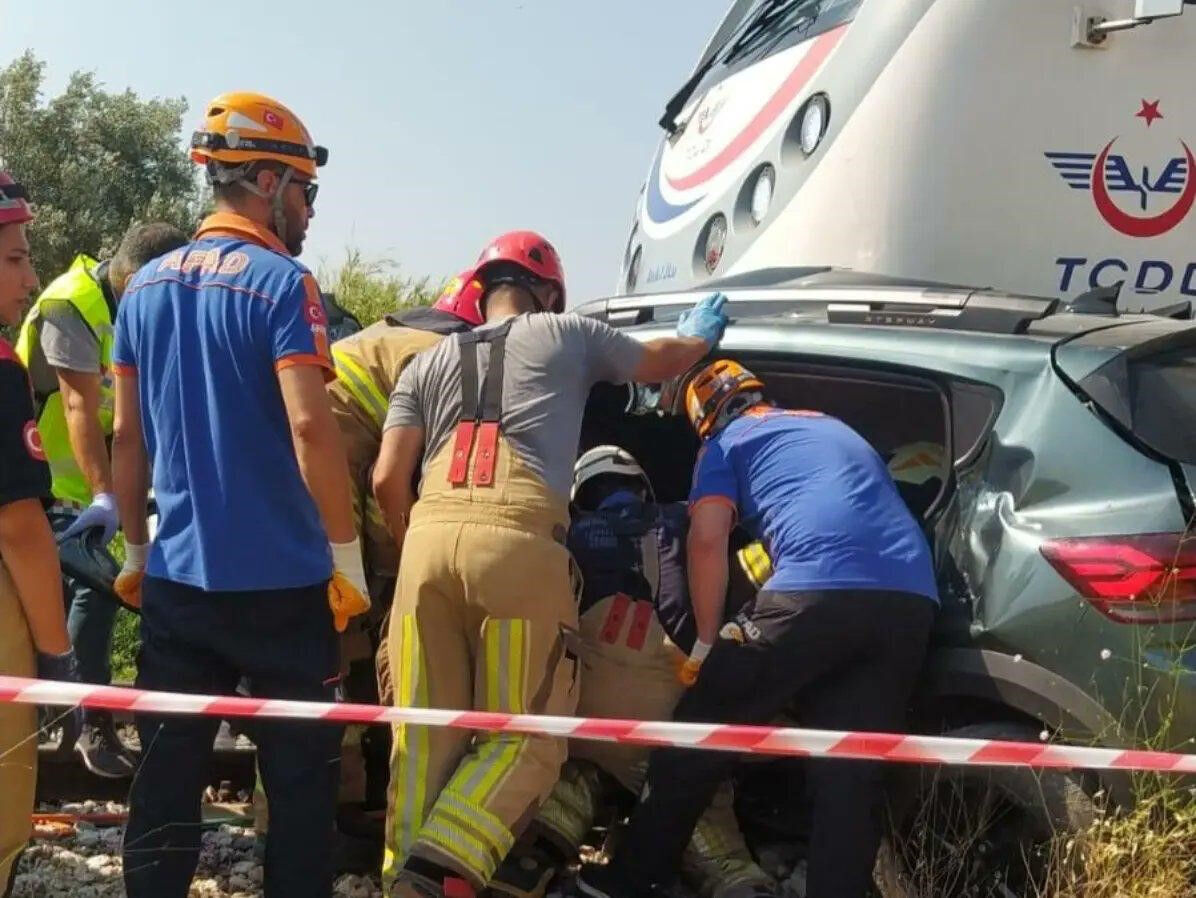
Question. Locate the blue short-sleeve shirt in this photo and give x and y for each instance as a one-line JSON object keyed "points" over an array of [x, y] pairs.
{"points": [[206, 329], [820, 498]]}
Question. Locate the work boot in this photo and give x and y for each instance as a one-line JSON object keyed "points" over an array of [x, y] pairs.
{"points": [[525, 872], [423, 879], [606, 881], [102, 751]]}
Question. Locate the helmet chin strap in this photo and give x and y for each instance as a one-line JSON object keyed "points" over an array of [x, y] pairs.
{"points": [[275, 198]]}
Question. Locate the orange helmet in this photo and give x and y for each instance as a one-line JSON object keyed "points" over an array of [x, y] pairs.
{"points": [[240, 127], [710, 391]]}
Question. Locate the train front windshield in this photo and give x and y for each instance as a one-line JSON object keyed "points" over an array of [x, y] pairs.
{"points": [[769, 27]]}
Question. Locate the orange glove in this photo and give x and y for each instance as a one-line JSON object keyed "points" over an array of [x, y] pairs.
{"points": [[348, 595], [688, 674], [127, 585]]}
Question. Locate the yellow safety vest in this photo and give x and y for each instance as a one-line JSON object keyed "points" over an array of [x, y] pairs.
{"points": [[79, 287]]}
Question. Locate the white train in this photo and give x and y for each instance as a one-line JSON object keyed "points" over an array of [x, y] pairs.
{"points": [[1034, 146]]}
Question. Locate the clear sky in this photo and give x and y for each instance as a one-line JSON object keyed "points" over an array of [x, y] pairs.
{"points": [[447, 122]]}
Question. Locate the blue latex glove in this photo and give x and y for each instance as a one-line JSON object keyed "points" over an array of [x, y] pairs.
{"points": [[100, 513], [63, 668], [706, 320]]}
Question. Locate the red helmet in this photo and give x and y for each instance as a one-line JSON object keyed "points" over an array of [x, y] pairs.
{"points": [[462, 297], [529, 251], [14, 201]]}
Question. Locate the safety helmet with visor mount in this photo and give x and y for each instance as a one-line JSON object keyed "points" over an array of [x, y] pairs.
{"points": [[241, 130]]}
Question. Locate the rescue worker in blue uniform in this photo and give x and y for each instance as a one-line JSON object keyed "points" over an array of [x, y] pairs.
{"points": [[839, 630], [635, 621], [221, 358]]}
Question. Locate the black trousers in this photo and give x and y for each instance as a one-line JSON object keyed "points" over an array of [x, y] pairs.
{"points": [[846, 660], [282, 642]]}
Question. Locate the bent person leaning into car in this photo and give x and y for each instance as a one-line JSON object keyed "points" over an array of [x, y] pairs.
{"points": [[839, 630]]}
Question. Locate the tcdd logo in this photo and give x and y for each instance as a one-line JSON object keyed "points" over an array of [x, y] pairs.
{"points": [[1105, 173]]}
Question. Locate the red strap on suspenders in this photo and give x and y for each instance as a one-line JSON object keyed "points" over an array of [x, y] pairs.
{"points": [[640, 622], [461, 446], [483, 465], [615, 617]]}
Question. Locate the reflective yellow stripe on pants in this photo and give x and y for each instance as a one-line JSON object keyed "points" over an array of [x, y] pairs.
{"points": [[409, 761]]}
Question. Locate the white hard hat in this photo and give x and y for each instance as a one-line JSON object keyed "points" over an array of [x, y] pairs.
{"points": [[607, 460]]}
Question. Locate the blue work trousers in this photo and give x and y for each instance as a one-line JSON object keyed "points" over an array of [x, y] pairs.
{"points": [[282, 644]]}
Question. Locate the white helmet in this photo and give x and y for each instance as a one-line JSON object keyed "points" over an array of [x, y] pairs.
{"points": [[607, 460]]}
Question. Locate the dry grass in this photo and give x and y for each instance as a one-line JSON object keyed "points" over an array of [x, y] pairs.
{"points": [[1147, 852]]}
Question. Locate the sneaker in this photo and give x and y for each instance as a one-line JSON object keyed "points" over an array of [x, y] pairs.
{"points": [[102, 751]]}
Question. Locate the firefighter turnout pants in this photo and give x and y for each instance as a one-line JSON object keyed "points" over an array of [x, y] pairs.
{"points": [[846, 660], [282, 642], [483, 619], [18, 734], [629, 672]]}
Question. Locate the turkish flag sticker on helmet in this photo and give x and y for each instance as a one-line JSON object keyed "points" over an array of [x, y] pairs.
{"points": [[33, 442]]}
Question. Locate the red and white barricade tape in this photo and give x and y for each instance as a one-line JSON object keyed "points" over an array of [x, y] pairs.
{"points": [[760, 740]]}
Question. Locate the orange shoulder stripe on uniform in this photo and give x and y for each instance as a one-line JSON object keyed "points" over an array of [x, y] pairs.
{"points": [[721, 500], [307, 358], [121, 370]]}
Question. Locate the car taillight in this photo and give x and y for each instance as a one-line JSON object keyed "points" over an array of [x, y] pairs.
{"points": [[1148, 578]]}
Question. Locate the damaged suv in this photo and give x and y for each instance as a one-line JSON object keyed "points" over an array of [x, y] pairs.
{"points": [[1050, 449]]}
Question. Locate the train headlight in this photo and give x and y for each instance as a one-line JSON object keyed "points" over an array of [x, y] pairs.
{"points": [[714, 242], [762, 191], [814, 117]]}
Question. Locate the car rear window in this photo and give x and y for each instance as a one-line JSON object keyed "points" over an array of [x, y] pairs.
{"points": [[1154, 396]]}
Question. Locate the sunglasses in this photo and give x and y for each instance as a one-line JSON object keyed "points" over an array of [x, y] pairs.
{"points": [[310, 189]]}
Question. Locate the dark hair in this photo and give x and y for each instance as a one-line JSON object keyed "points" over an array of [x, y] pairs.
{"points": [[141, 244]]}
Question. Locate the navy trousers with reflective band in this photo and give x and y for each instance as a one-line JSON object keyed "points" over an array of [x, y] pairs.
{"points": [[283, 644], [843, 660]]}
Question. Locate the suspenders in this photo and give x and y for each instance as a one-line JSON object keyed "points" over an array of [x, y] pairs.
{"points": [[481, 420]]}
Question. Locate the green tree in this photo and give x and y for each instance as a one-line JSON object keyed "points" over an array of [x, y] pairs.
{"points": [[371, 288], [94, 162]]}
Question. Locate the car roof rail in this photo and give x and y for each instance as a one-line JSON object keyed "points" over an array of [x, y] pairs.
{"points": [[978, 310], [879, 305]]}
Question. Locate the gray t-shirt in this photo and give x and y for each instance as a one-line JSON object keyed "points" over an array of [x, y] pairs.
{"points": [[65, 342], [551, 363]]}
